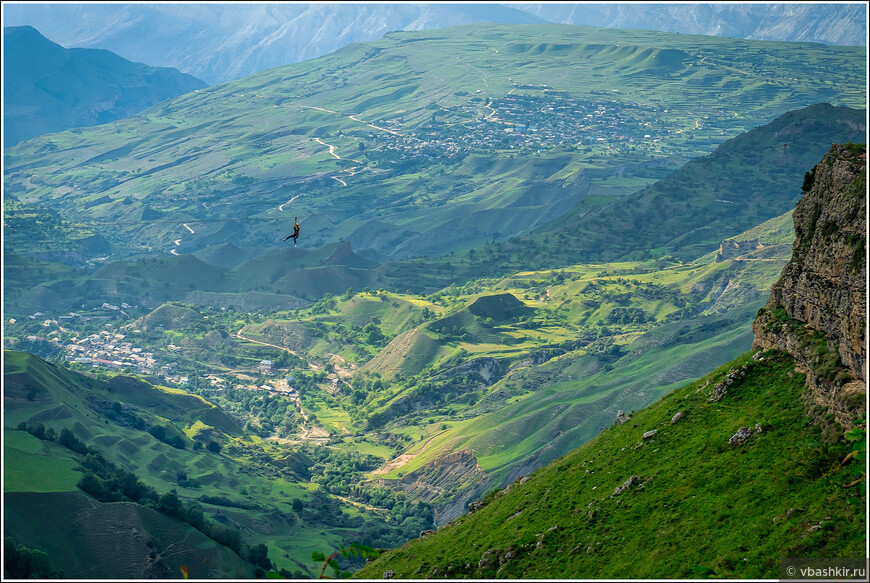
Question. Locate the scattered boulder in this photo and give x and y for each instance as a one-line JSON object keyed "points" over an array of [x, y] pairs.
{"points": [[629, 483], [475, 506], [505, 558], [650, 434], [389, 574], [758, 428], [427, 532], [733, 375], [818, 526], [486, 560], [740, 437], [676, 417], [621, 417], [783, 517]]}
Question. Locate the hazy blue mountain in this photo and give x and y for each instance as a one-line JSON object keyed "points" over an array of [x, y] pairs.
{"points": [[219, 43], [48, 88], [223, 42], [836, 24]]}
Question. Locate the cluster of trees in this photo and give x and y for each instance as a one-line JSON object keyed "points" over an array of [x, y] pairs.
{"points": [[620, 315], [452, 333], [21, 562], [402, 521], [120, 414], [167, 436], [336, 471], [261, 413], [425, 394], [66, 438], [363, 385], [341, 473], [324, 305], [358, 336]]}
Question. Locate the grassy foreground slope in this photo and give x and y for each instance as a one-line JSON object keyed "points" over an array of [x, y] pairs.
{"points": [[683, 499]]}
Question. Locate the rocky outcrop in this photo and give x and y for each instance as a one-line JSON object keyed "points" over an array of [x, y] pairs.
{"points": [[817, 309], [730, 248], [441, 479], [485, 370]]}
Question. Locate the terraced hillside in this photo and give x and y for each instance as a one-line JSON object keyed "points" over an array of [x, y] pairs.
{"points": [[404, 152]]}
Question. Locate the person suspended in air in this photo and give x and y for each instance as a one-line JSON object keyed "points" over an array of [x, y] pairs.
{"points": [[295, 234]]}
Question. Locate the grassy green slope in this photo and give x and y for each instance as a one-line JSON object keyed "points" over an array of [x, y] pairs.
{"points": [[50, 467], [243, 149], [756, 503], [565, 407]]}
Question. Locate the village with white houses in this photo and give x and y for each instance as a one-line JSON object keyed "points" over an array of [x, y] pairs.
{"points": [[534, 118], [115, 349]]}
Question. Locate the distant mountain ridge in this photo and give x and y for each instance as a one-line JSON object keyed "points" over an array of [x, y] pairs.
{"points": [[219, 43], [48, 88], [837, 24]]}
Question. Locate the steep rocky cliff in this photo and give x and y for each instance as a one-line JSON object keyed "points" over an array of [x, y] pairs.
{"points": [[817, 310]]}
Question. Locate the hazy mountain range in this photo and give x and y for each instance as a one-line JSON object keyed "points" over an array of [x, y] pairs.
{"points": [[48, 88], [221, 42], [836, 24]]}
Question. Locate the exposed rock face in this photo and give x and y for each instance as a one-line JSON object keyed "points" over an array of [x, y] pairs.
{"points": [[486, 370], [621, 417], [729, 249], [434, 479], [817, 310], [739, 438]]}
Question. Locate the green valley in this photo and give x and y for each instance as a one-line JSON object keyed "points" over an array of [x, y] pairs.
{"points": [[516, 371], [563, 296]]}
